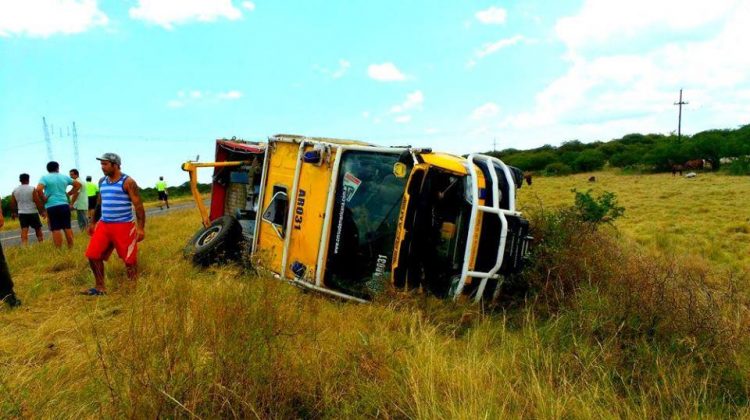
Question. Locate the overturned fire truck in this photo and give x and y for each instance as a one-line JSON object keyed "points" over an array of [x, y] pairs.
{"points": [[351, 219]]}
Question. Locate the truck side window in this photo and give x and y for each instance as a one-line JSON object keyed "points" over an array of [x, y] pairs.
{"points": [[277, 210]]}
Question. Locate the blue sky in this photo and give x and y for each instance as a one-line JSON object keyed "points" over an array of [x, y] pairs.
{"points": [[158, 80]]}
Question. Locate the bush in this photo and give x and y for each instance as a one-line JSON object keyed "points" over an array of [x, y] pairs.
{"points": [[739, 166], [557, 169], [638, 306], [589, 160], [625, 159], [594, 211]]}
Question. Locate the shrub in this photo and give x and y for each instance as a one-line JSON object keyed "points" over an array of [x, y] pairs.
{"points": [[589, 160], [739, 166], [593, 211], [557, 169], [637, 305]]}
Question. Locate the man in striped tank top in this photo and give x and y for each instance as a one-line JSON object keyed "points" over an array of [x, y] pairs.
{"points": [[115, 230]]}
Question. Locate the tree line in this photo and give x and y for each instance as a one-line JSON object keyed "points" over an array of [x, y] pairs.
{"points": [[721, 149]]}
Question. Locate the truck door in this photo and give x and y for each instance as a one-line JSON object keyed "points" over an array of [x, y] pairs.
{"points": [[309, 206], [271, 232]]}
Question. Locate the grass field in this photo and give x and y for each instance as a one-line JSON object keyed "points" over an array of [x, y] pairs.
{"points": [[707, 217], [225, 343]]}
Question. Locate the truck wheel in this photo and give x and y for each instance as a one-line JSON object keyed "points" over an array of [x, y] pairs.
{"points": [[217, 243]]}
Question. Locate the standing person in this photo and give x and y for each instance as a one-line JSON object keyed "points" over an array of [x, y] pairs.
{"points": [[51, 190], [6, 283], [81, 204], [116, 230], [92, 192], [161, 188], [27, 206]]}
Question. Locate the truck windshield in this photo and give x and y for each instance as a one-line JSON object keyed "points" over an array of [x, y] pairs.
{"points": [[364, 222], [437, 231]]}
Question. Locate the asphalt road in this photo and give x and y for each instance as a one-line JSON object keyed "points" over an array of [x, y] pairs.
{"points": [[13, 237]]}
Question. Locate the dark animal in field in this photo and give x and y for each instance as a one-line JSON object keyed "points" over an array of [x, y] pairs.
{"points": [[694, 164], [592, 179], [676, 168], [527, 176]]}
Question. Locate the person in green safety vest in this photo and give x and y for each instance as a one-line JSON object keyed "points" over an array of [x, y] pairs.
{"points": [[161, 188], [92, 192]]}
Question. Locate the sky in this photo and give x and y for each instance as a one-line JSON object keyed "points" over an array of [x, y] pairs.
{"points": [[157, 81]]}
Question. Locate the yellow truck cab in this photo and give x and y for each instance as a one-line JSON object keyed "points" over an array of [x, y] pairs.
{"points": [[350, 219]]}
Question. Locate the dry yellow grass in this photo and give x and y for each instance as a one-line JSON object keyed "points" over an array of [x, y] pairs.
{"points": [[706, 217], [224, 343]]}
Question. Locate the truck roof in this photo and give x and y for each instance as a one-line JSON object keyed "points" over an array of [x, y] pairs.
{"points": [[299, 138], [242, 145]]}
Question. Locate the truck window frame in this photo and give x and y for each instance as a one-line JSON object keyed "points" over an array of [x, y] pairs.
{"points": [[280, 193]]}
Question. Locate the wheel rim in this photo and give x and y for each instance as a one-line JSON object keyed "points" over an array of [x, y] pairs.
{"points": [[209, 235]]}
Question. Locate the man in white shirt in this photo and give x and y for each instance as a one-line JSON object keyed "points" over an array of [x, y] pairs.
{"points": [[26, 205], [81, 205]]}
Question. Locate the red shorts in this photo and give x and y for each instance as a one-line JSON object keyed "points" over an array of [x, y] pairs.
{"points": [[114, 236]]}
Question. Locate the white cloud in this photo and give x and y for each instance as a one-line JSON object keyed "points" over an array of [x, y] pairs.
{"points": [[488, 110], [248, 5], [365, 114], [606, 93], [343, 67], [493, 47], [413, 100], [386, 72], [605, 21], [185, 98], [43, 18], [230, 95], [402, 119], [431, 130], [492, 16], [496, 46], [167, 13]]}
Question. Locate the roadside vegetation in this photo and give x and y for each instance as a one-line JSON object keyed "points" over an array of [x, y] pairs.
{"points": [[633, 307]]}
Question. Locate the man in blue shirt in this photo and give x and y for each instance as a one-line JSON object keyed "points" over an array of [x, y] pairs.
{"points": [[51, 190]]}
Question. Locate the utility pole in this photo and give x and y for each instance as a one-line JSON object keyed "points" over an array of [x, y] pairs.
{"points": [[679, 117], [47, 139], [494, 144], [75, 146]]}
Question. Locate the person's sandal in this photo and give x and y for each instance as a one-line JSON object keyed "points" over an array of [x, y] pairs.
{"points": [[93, 292]]}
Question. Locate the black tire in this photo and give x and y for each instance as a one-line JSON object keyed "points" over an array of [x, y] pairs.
{"points": [[217, 243]]}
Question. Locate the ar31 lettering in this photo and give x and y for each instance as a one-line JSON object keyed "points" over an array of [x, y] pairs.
{"points": [[299, 209]]}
